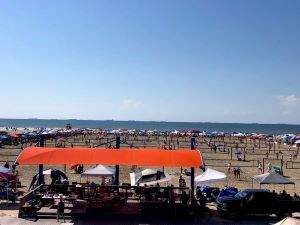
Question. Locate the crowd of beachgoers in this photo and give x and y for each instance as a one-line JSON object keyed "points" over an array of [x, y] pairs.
{"points": [[16, 135], [239, 155]]}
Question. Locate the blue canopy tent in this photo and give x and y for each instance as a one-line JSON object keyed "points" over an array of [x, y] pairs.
{"points": [[227, 192]]}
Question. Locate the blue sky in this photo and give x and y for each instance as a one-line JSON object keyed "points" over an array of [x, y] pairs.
{"points": [[216, 61]]}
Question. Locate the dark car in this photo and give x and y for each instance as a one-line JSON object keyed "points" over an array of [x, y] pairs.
{"points": [[257, 201]]}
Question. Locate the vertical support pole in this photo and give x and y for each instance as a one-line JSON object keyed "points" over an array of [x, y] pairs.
{"points": [[118, 142], [193, 147], [41, 166]]}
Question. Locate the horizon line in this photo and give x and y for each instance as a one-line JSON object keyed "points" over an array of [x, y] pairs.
{"points": [[155, 121]]}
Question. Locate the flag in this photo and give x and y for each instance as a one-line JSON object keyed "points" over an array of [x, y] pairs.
{"points": [[203, 167]]}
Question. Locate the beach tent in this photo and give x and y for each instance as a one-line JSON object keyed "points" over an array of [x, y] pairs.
{"points": [[210, 176], [149, 176], [99, 170], [272, 178], [288, 221]]}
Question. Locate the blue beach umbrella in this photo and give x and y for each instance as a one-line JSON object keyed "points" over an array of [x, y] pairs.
{"points": [[238, 153], [3, 138]]}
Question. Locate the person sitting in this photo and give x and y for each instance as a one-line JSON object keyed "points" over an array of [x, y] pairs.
{"points": [[6, 165], [147, 193], [13, 167], [184, 198], [284, 193], [180, 181], [187, 173], [201, 199], [138, 190]]}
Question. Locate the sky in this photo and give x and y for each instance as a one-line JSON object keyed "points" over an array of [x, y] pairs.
{"points": [[191, 61]]}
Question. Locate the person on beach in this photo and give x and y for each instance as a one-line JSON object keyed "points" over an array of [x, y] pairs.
{"points": [[259, 168], [269, 167], [238, 173], [229, 168], [234, 172]]}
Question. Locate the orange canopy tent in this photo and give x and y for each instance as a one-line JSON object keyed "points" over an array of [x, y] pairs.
{"points": [[142, 157]]}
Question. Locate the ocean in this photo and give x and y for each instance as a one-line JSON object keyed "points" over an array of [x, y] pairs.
{"points": [[152, 125]]}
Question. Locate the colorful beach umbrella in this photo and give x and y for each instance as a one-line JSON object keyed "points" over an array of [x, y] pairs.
{"points": [[6, 177]]}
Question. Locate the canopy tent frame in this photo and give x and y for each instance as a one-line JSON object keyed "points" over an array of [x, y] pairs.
{"points": [[127, 157], [143, 157], [279, 183]]}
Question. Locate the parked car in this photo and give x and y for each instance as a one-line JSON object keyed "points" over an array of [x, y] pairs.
{"points": [[257, 201]]}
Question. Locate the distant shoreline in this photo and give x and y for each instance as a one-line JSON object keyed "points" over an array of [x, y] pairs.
{"points": [[152, 121], [155, 125]]}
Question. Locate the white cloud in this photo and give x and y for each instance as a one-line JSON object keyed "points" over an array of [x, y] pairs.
{"points": [[288, 102]]}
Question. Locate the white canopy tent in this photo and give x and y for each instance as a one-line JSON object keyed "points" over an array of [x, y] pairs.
{"points": [[272, 178], [99, 170], [210, 176], [149, 177]]}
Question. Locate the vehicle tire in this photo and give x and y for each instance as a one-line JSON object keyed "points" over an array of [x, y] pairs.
{"points": [[283, 215], [222, 214], [287, 214], [233, 215]]}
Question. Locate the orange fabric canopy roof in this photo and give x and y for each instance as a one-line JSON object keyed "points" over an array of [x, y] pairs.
{"points": [[143, 157]]}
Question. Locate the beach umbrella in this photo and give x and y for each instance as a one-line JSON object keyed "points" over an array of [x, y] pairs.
{"points": [[238, 153], [149, 176], [195, 131], [297, 142], [4, 169], [61, 140], [3, 138], [14, 136], [6, 177]]}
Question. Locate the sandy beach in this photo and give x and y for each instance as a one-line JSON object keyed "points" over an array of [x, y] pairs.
{"points": [[254, 150], [217, 160]]}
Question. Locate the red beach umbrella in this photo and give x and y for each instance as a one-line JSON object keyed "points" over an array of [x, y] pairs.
{"points": [[6, 177]]}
